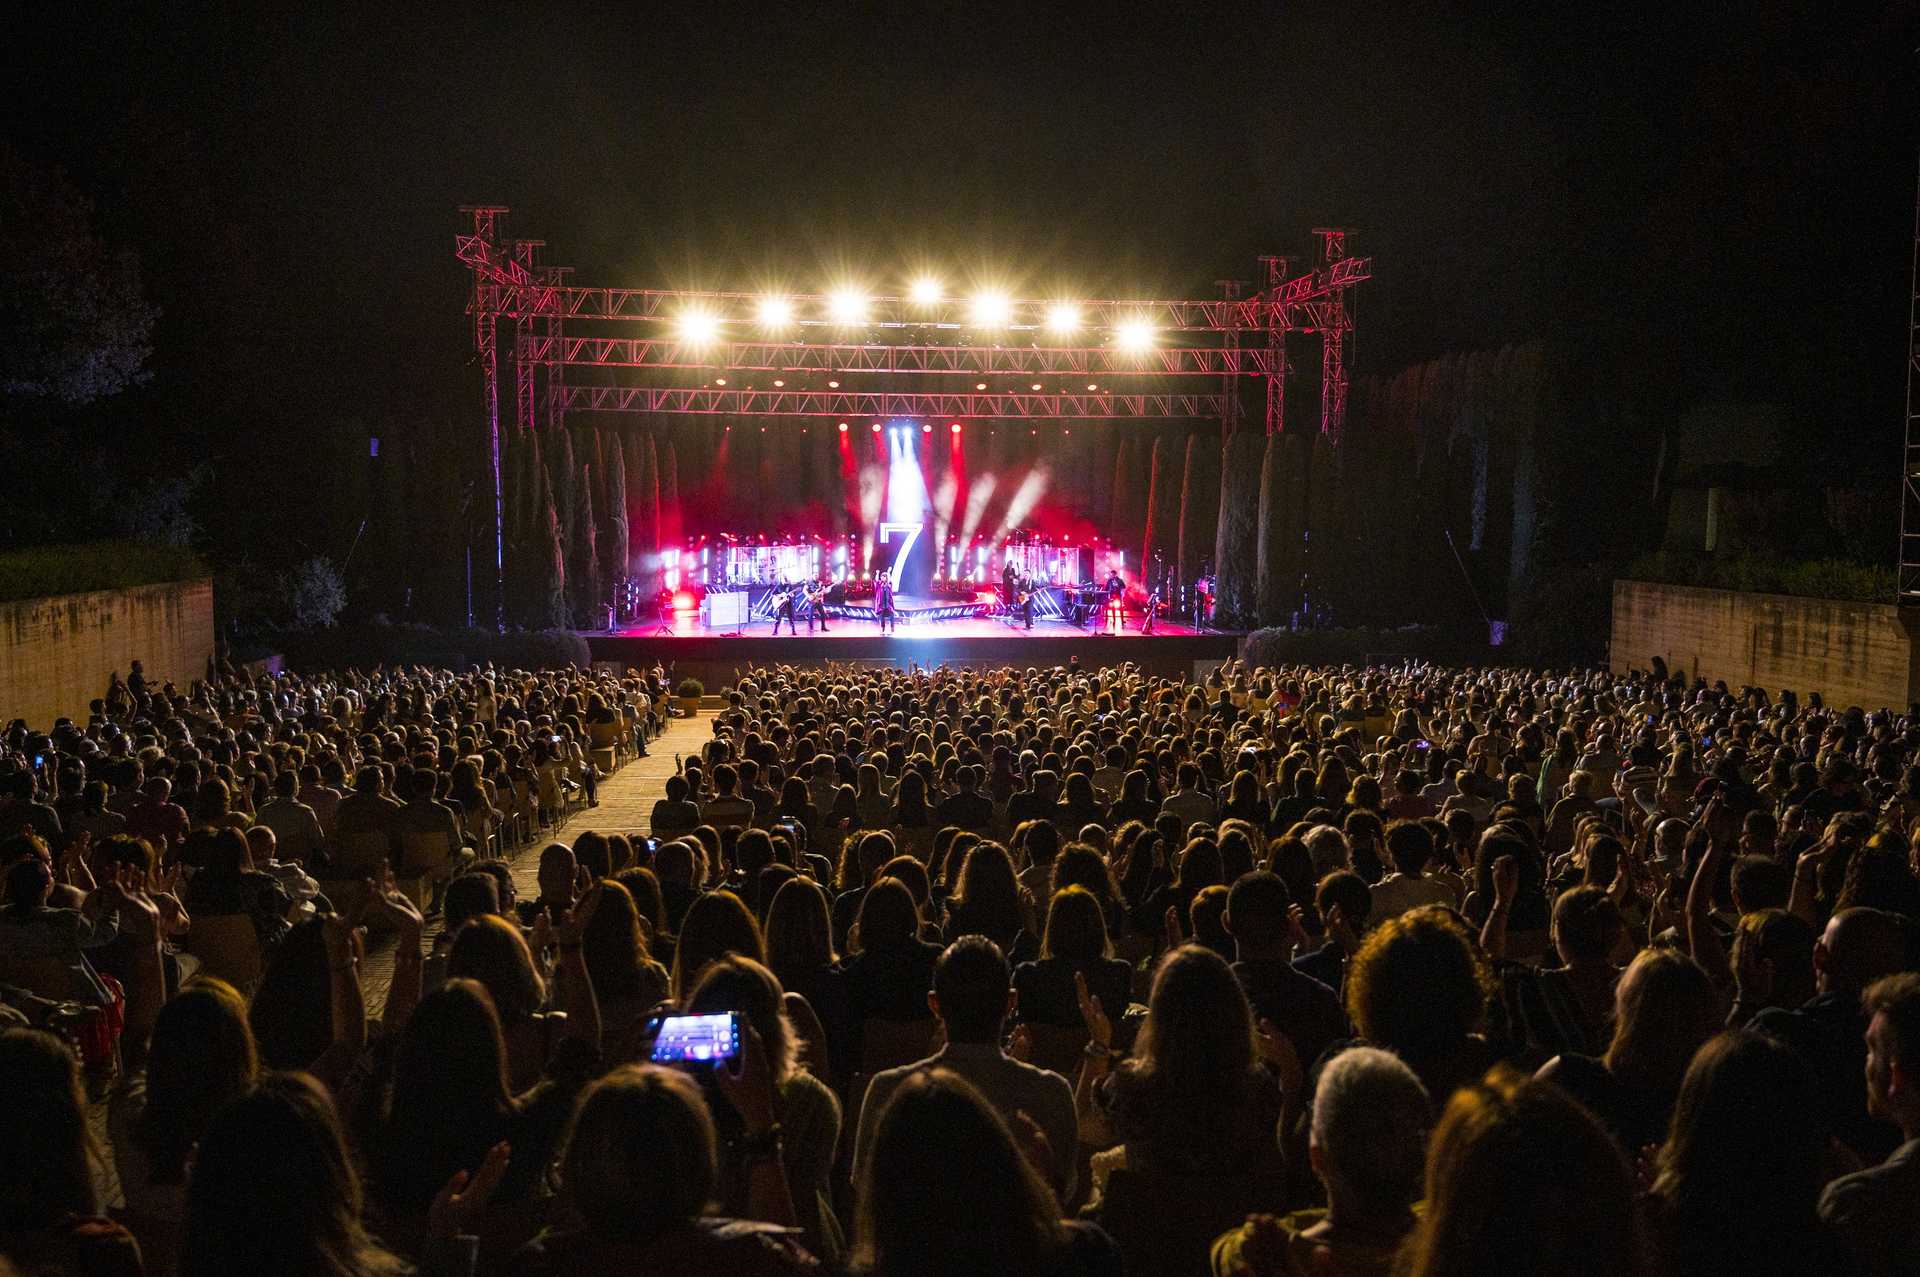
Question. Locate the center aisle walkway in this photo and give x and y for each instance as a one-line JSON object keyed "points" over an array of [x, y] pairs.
{"points": [[626, 807]]}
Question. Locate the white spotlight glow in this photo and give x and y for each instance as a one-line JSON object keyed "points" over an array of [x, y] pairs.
{"points": [[1134, 336], [991, 309], [775, 312], [925, 291], [847, 305], [1063, 317], [698, 327]]}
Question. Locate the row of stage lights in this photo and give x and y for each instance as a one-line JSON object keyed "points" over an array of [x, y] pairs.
{"points": [[925, 429], [849, 307]]}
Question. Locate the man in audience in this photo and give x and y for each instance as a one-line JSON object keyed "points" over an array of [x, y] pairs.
{"points": [[1876, 1209], [295, 825], [972, 997], [1307, 1011]]}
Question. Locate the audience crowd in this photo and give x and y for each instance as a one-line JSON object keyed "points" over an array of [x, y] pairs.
{"points": [[1034, 971]]}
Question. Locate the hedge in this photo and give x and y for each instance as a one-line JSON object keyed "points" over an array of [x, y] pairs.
{"points": [[1359, 646], [46, 570], [1756, 574]]}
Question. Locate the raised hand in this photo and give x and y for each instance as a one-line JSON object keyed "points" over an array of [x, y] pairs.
{"points": [[1277, 1049], [457, 1207], [1506, 879], [1099, 1027], [749, 1085]]}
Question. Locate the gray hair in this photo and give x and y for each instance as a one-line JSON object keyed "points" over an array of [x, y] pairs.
{"points": [[1371, 1116], [1328, 847]]}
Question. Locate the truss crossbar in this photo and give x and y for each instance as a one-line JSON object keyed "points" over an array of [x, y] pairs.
{"points": [[868, 406], [628, 352]]}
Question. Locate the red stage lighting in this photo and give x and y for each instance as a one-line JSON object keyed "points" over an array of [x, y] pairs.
{"points": [[955, 427], [926, 430], [843, 427], [876, 427]]}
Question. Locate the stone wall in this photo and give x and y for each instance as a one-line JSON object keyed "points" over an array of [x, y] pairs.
{"points": [[1851, 653], [56, 654]]}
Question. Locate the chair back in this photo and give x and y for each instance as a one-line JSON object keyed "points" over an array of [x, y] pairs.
{"points": [[1166, 1224], [228, 947], [424, 854], [363, 851], [42, 975]]}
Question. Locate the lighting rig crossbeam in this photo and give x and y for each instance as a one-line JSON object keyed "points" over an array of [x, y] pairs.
{"points": [[878, 404], [776, 357]]}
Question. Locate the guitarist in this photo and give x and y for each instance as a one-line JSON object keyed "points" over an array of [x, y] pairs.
{"points": [[784, 612], [816, 598]]}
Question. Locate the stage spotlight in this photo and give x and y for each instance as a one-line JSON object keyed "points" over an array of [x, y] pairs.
{"points": [[979, 385], [926, 430], [876, 427], [843, 427], [719, 381], [833, 385], [1093, 385], [1063, 317], [955, 427], [991, 309], [777, 383], [698, 327], [1036, 385], [925, 291], [847, 306], [775, 312], [1135, 336]]}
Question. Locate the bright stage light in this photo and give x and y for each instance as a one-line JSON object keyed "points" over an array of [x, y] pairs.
{"points": [[925, 291], [991, 309], [876, 427], [775, 312], [979, 385], [955, 427], [777, 383], [843, 427], [926, 430], [698, 327], [719, 381], [1063, 317], [833, 385], [1093, 385], [1135, 336], [847, 305], [1036, 385]]}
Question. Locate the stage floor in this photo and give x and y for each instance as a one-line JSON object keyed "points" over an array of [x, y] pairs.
{"points": [[687, 625]]}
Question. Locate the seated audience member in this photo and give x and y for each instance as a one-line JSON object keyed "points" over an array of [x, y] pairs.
{"points": [[1308, 1012], [1410, 848], [1520, 1179], [1873, 1209], [972, 998], [1368, 1148], [917, 1218], [51, 1218], [640, 1172], [1075, 943], [1737, 1183], [1418, 988]]}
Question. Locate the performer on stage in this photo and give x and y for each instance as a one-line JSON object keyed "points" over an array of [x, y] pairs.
{"points": [[1203, 599], [816, 599], [1115, 586], [1009, 586], [1024, 593], [1153, 606], [784, 611], [883, 603]]}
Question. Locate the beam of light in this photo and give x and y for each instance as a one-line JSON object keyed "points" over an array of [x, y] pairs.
{"points": [[1024, 499], [775, 313], [978, 497], [697, 326], [925, 291], [847, 306], [991, 309], [1063, 317], [1133, 336]]}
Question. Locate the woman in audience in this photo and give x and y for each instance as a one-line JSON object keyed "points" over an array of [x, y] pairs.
{"points": [[274, 1191], [308, 1012], [202, 1055], [1418, 987], [990, 903], [492, 951], [1665, 1009], [627, 982], [809, 1113], [1738, 1180], [1075, 945], [50, 1220], [888, 974], [641, 1173], [1520, 1179], [1190, 1100], [719, 923], [227, 884], [918, 1218]]}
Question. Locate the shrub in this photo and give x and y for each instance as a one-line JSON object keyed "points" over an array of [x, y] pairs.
{"points": [[316, 594], [1765, 574], [365, 646], [691, 687], [1366, 646], [48, 570]]}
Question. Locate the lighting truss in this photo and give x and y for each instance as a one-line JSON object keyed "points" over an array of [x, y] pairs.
{"points": [[878, 404]]}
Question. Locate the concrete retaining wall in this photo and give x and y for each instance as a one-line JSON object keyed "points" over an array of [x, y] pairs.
{"points": [[56, 654], [1851, 653]]}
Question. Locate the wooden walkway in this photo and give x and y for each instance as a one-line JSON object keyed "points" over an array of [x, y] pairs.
{"points": [[626, 807]]}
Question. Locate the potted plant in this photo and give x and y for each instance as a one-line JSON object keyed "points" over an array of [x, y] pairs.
{"points": [[690, 691]]}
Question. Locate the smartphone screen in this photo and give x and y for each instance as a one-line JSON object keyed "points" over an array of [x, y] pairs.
{"points": [[697, 1039]]}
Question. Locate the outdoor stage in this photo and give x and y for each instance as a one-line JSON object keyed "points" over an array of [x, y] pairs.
{"points": [[712, 655]]}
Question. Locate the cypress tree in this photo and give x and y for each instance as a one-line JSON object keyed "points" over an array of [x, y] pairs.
{"points": [[670, 523], [1235, 551], [588, 601], [619, 552], [550, 610], [1199, 504]]}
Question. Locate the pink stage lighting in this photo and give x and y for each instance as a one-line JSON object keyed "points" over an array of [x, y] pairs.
{"points": [[955, 427]]}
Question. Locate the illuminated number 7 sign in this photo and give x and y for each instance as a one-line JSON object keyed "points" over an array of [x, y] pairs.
{"points": [[911, 531]]}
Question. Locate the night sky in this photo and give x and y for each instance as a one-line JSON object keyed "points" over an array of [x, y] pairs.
{"points": [[1713, 200]]}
